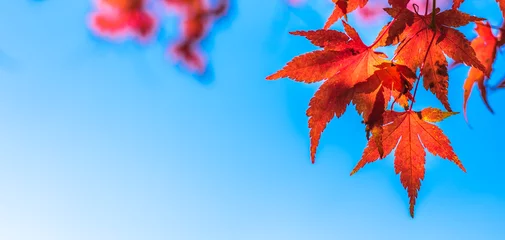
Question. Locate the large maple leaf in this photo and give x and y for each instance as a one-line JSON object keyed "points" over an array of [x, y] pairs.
{"points": [[115, 18], [486, 45], [353, 72], [342, 7], [424, 39], [343, 62], [197, 16], [410, 133]]}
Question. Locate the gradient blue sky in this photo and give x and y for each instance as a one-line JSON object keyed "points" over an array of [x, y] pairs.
{"points": [[102, 141]]}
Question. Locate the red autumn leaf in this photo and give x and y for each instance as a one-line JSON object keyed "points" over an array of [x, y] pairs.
{"points": [[410, 133], [196, 19], [343, 62], [424, 41], [486, 46], [342, 7], [417, 37], [388, 81], [115, 18]]}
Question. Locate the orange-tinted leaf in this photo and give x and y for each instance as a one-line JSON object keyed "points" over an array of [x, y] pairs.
{"points": [[342, 7], [389, 80], [485, 45], [339, 54], [415, 44], [330, 100], [329, 39], [410, 133], [435, 115], [313, 66], [403, 18], [343, 62], [455, 18]]}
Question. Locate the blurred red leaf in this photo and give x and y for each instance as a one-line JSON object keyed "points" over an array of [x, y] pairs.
{"points": [[485, 45], [117, 18], [197, 17]]}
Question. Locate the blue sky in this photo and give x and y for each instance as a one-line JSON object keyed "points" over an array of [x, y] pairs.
{"points": [[111, 141]]}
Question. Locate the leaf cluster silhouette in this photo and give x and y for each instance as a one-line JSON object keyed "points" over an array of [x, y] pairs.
{"points": [[378, 86]]}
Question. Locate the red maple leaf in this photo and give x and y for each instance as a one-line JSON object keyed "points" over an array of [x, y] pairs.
{"points": [[116, 18], [343, 62], [410, 133], [342, 7], [435, 35], [197, 16], [388, 81], [486, 45], [353, 72]]}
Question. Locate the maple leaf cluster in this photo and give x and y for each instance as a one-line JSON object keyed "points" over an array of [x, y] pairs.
{"points": [[119, 18], [354, 73]]}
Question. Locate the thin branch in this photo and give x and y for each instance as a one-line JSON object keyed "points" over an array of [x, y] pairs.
{"points": [[421, 71], [426, 7]]}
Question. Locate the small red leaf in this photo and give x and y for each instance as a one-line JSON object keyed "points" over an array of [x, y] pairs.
{"points": [[410, 133]]}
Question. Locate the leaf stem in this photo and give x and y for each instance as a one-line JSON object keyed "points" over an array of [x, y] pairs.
{"points": [[433, 14], [421, 71], [433, 28], [426, 7]]}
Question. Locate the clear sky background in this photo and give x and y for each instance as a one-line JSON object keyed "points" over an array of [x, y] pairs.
{"points": [[102, 141]]}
